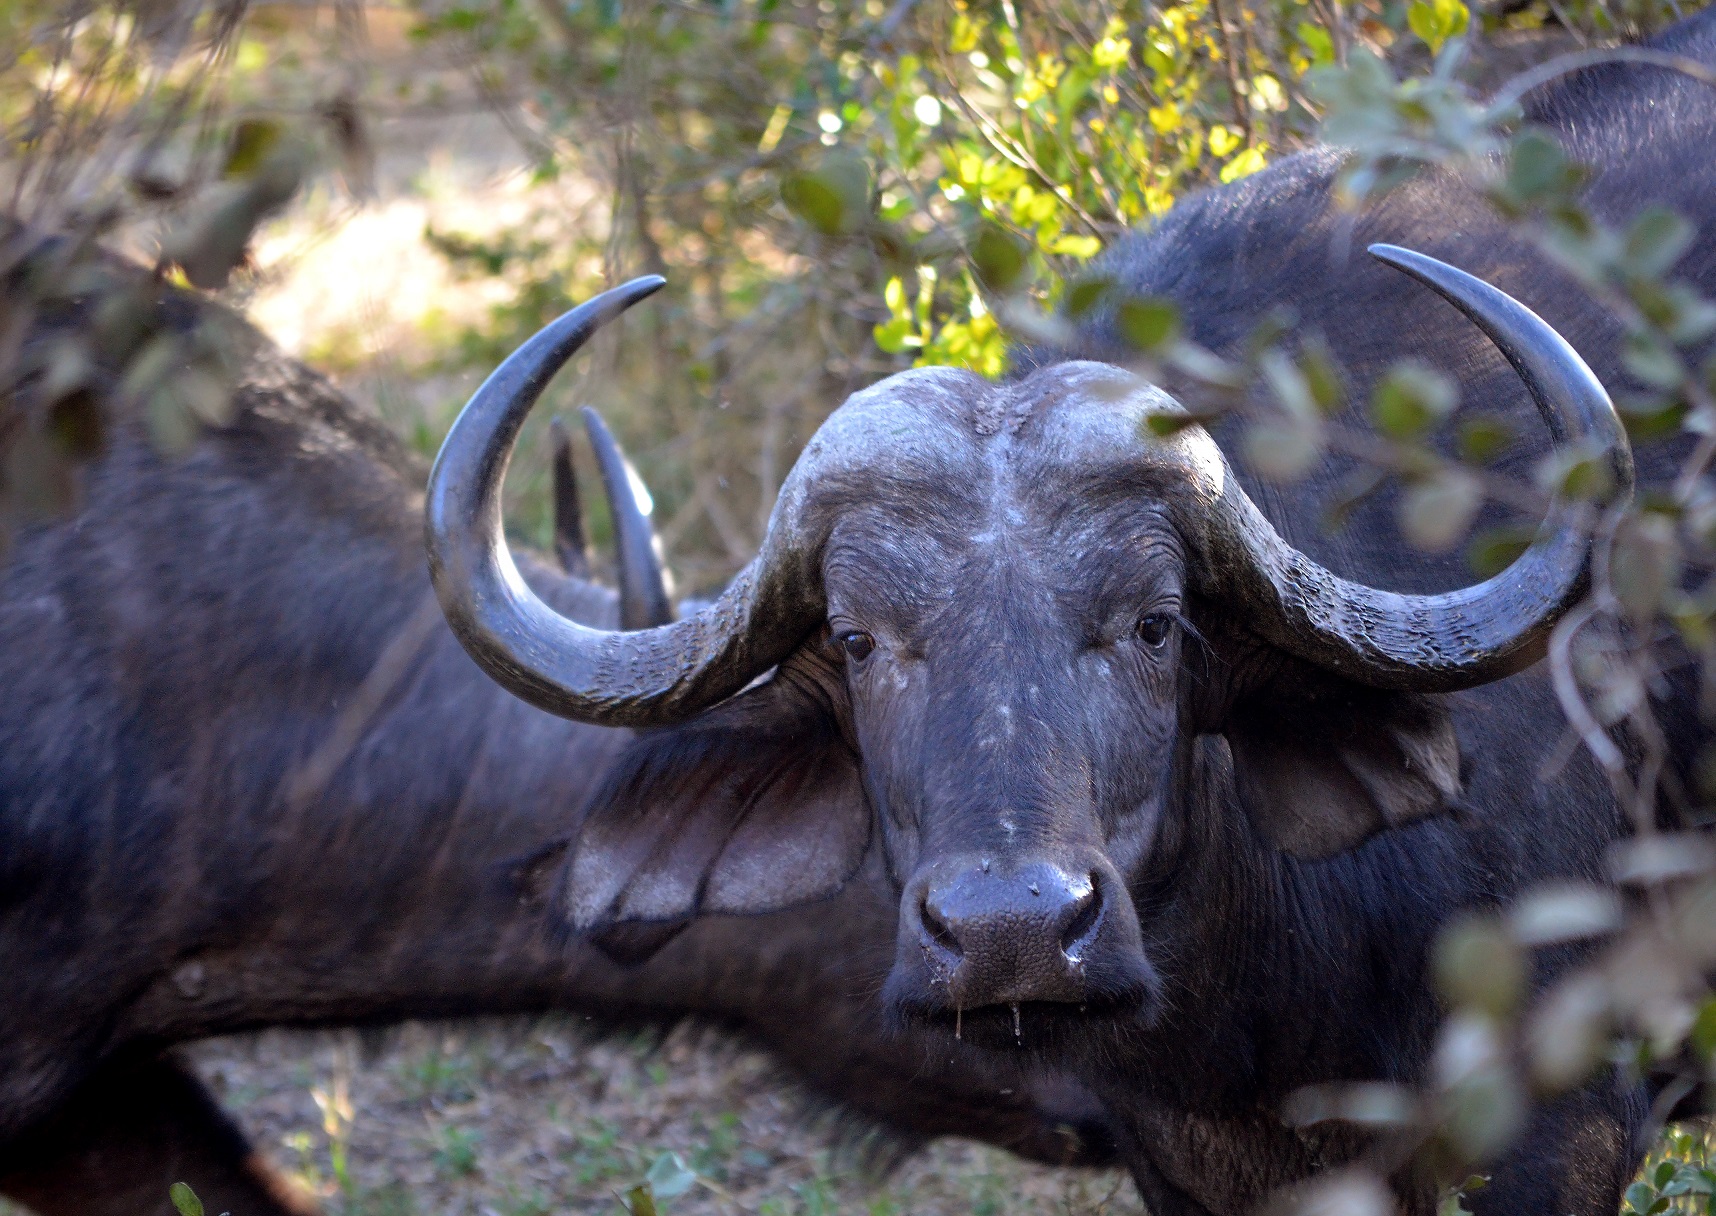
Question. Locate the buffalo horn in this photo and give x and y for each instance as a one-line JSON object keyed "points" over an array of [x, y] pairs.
{"points": [[569, 545], [645, 600], [1459, 639], [611, 678]]}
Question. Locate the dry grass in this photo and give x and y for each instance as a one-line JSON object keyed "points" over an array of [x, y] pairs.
{"points": [[523, 1119]]}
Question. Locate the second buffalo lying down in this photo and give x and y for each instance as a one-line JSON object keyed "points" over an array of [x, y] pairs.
{"points": [[1165, 800], [248, 778]]}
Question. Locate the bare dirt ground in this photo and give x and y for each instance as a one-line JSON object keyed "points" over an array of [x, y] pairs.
{"points": [[519, 1118]]}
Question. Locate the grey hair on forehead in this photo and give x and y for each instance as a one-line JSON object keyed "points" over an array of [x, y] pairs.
{"points": [[1431, 643]]}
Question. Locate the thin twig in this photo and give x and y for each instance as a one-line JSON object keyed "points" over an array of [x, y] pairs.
{"points": [[1572, 699], [1241, 111]]}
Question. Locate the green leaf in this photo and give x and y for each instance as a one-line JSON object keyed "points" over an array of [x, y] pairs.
{"points": [[1660, 307], [1495, 549], [1074, 88], [899, 209], [1081, 247], [1576, 472], [1436, 511], [998, 256], [1703, 1033], [1317, 41], [1693, 318], [1243, 165], [1650, 417], [640, 1201], [1478, 966], [669, 1177], [1411, 399], [1165, 426], [1653, 362], [896, 335], [1538, 170], [1148, 323], [1483, 437], [1085, 294], [185, 1200], [1282, 450], [1288, 384], [1353, 491], [963, 38], [1656, 240], [1322, 376], [252, 141], [75, 422], [1436, 21], [1645, 564], [833, 198], [209, 242], [1268, 330]]}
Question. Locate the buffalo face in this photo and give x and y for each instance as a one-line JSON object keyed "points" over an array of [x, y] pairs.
{"points": [[1011, 634], [992, 625]]}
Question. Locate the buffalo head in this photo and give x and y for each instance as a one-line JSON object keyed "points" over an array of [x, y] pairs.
{"points": [[987, 620]]}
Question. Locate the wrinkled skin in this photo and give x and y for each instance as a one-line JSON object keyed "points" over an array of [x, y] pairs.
{"points": [[247, 778], [1018, 678]]}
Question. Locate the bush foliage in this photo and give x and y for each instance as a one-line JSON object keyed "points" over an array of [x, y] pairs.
{"points": [[838, 191]]}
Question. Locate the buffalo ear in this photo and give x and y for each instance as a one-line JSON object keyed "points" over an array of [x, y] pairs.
{"points": [[753, 806], [1324, 765]]}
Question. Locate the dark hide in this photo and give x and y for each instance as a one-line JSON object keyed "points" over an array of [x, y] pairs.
{"points": [[1033, 687], [132, 1131], [1323, 765], [248, 778]]}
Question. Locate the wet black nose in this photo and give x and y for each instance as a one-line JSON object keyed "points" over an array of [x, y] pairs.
{"points": [[997, 937]]}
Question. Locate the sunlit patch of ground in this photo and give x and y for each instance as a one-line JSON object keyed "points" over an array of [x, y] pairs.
{"points": [[343, 283], [525, 1119]]}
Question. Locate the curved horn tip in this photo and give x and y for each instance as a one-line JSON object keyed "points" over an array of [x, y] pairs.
{"points": [[646, 598], [1422, 266], [1412, 262], [560, 665], [642, 287], [616, 300], [1458, 639]]}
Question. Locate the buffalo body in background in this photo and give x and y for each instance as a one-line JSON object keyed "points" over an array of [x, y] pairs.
{"points": [[248, 778]]}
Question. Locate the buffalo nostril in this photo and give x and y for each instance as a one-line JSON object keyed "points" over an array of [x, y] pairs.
{"points": [[938, 931], [1086, 913]]}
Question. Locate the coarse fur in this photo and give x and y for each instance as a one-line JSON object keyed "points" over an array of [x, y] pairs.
{"points": [[1028, 688], [247, 778]]}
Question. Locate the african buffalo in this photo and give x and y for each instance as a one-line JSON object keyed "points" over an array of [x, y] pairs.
{"points": [[1166, 800], [248, 778]]}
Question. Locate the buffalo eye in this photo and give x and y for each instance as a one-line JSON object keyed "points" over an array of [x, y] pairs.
{"points": [[857, 644], [1153, 629]]}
